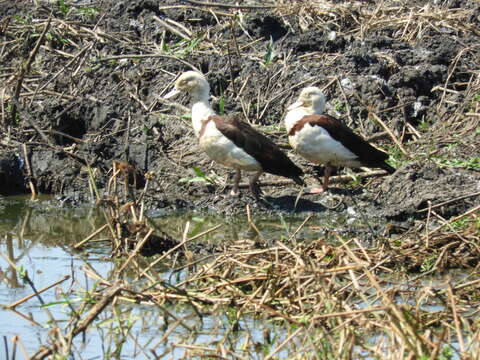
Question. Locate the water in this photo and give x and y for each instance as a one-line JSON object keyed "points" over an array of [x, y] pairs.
{"points": [[38, 239]]}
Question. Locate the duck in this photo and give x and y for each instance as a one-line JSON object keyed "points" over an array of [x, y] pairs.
{"points": [[230, 141], [325, 140]]}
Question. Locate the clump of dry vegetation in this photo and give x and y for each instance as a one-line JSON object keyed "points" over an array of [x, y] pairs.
{"points": [[331, 297], [326, 298], [123, 210]]}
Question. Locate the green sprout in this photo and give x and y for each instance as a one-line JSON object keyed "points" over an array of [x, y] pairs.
{"points": [[88, 12], [269, 55], [200, 177], [63, 7], [221, 105]]}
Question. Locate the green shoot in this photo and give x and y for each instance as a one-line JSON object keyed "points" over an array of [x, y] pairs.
{"points": [[221, 105], [340, 107], [423, 125], [470, 163], [88, 12], [63, 7], [269, 55], [200, 177]]}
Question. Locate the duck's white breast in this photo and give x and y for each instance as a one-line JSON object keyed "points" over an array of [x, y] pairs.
{"points": [[315, 144], [222, 150]]}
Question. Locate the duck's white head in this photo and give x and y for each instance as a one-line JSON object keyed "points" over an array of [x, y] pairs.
{"points": [[311, 99], [193, 83]]}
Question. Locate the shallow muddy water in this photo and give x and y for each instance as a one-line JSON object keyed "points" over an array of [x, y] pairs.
{"points": [[38, 238]]}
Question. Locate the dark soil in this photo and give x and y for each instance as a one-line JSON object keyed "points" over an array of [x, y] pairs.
{"points": [[82, 106]]}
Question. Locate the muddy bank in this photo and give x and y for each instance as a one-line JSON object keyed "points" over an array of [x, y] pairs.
{"points": [[92, 96]]}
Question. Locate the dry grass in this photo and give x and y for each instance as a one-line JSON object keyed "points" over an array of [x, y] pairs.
{"points": [[330, 297], [409, 22], [333, 296]]}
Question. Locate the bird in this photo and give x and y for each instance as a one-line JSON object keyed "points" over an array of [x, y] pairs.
{"points": [[323, 139], [230, 141]]}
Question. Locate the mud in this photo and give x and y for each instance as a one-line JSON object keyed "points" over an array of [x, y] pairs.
{"points": [[94, 109], [415, 187]]}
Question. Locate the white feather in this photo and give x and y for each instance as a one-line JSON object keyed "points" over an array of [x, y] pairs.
{"points": [[201, 111], [218, 147], [223, 150], [315, 144], [293, 116]]}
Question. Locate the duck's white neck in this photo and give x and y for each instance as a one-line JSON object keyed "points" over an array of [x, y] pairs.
{"points": [[201, 110], [295, 115]]}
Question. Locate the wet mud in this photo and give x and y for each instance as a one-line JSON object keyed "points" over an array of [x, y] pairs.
{"points": [[94, 93]]}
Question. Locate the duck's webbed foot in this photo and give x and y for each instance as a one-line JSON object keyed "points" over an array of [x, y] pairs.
{"points": [[254, 186], [236, 181]]}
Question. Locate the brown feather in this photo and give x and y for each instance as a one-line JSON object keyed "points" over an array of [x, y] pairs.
{"points": [[266, 152], [366, 153]]}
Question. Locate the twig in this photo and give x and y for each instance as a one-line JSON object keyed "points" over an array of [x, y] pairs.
{"points": [[427, 224], [250, 220], [172, 29], [175, 248], [16, 340], [26, 68], [137, 249], [307, 219], [298, 259], [230, 15], [2, 108], [28, 318], [25, 115], [349, 313], [346, 101], [106, 299], [471, 211], [26, 298], [392, 135], [83, 51], [31, 284], [29, 172], [95, 233], [450, 73], [230, 6], [56, 132], [449, 201], [66, 152], [145, 56], [451, 297], [286, 341]]}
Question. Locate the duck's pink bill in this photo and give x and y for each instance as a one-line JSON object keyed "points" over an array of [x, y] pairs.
{"points": [[171, 94], [295, 105]]}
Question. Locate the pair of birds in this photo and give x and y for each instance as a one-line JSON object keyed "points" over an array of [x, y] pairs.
{"points": [[319, 138]]}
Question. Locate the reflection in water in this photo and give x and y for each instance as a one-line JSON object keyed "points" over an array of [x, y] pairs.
{"points": [[38, 240], [35, 253], [10, 275]]}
